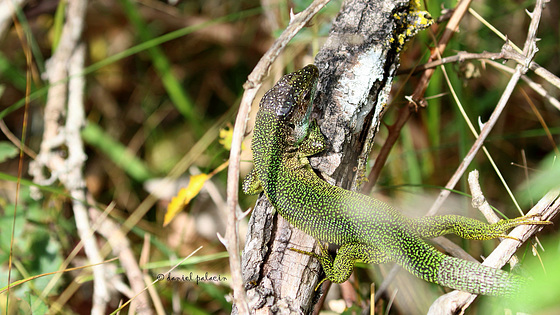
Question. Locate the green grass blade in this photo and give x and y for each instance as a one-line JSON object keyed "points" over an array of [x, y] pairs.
{"points": [[132, 165]]}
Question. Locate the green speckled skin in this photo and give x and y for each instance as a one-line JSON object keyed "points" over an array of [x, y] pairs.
{"points": [[366, 229]]}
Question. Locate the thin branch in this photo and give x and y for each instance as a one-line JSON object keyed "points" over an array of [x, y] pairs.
{"points": [[506, 53], [532, 84], [121, 248], [8, 133], [74, 179], [478, 199]]}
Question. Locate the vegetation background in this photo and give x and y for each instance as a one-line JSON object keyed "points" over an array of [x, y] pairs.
{"points": [[163, 80]]}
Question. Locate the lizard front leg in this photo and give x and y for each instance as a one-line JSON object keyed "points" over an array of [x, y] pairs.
{"points": [[314, 143], [252, 184]]}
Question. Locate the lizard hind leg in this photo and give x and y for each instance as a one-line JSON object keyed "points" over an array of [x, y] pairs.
{"points": [[340, 268], [467, 228]]}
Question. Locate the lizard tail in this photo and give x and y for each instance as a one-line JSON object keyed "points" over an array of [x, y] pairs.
{"points": [[475, 278]]}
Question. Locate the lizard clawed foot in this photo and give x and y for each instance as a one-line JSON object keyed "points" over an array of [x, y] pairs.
{"points": [[322, 247], [526, 221], [325, 255], [304, 252], [510, 237], [503, 225]]}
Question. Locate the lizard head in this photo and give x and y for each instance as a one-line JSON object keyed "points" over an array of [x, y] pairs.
{"points": [[291, 99]]}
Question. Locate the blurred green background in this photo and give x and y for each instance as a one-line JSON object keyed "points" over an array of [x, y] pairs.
{"points": [[163, 83]]}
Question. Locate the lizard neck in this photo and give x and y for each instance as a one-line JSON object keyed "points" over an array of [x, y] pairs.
{"points": [[268, 146]]}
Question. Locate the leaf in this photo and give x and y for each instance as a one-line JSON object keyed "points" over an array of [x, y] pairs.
{"points": [[7, 151], [184, 196], [226, 137]]}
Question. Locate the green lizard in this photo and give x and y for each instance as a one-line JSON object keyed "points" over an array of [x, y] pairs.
{"points": [[366, 229]]}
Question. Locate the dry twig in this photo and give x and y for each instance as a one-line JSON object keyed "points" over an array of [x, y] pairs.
{"points": [[68, 61]]}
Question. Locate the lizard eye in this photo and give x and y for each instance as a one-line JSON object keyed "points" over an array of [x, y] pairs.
{"points": [[307, 97]]}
